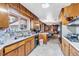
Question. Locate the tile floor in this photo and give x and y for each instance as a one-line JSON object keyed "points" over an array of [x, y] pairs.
{"points": [[52, 48]]}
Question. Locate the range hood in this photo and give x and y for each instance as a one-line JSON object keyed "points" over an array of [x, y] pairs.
{"points": [[75, 22]]}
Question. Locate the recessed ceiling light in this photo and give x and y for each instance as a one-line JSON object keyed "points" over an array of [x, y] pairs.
{"points": [[45, 5]]}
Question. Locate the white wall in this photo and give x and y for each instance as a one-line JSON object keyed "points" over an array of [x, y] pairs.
{"points": [[65, 30]]}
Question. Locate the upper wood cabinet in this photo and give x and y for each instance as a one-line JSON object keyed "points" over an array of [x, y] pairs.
{"points": [[68, 13], [62, 18], [4, 23], [4, 11], [72, 10]]}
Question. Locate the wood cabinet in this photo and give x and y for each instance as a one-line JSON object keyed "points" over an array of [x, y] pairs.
{"points": [[72, 10], [62, 18], [27, 47], [73, 51], [4, 23], [68, 13], [4, 13], [65, 47], [21, 50], [32, 43], [12, 53], [16, 49], [1, 52], [10, 48], [68, 49]]}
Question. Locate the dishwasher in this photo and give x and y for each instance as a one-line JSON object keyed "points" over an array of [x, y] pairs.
{"points": [[36, 40]]}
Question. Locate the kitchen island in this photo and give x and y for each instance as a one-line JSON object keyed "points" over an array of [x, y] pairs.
{"points": [[70, 48]]}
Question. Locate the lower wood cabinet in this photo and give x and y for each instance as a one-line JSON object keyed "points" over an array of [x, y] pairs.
{"points": [[21, 50], [32, 43], [68, 49], [1, 52], [65, 47], [12, 53], [73, 51], [27, 48]]}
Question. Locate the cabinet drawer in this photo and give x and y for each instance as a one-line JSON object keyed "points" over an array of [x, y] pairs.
{"points": [[10, 48]]}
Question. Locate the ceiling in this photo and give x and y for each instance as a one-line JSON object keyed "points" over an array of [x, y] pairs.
{"points": [[47, 15]]}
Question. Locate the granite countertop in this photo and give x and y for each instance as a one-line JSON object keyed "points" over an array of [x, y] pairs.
{"points": [[74, 44], [11, 40]]}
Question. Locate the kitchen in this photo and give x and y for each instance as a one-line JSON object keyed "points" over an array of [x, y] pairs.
{"points": [[24, 31]]}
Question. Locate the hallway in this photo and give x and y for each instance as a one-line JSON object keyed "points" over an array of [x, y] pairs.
{"points": [[51, 49]]}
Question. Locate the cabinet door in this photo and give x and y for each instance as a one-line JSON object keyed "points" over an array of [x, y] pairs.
{"points": [[32, 44], [4, 23], [27, 47], [65, 47], [21, 51], [12, 53], [73, 51], [1, 52], [62, 46]]}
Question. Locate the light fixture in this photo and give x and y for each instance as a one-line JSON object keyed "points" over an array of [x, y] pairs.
{"points": [[45, 5]]}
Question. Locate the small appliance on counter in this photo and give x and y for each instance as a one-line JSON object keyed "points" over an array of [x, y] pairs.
{"points": [[36, 40]]}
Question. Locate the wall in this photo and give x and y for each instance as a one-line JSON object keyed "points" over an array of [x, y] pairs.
{"points": [[65, 30], [72, 28]]}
